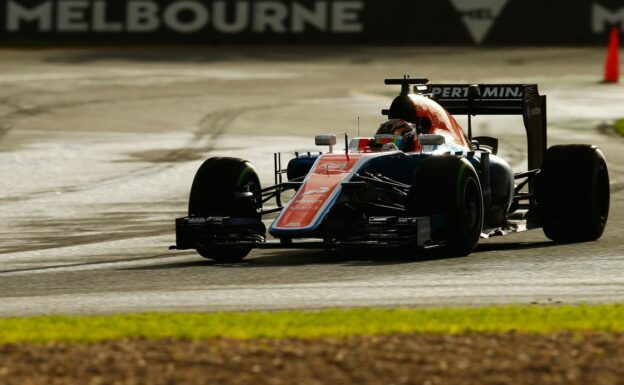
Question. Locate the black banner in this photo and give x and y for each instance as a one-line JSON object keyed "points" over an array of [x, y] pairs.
{"points": [[424, 22]]}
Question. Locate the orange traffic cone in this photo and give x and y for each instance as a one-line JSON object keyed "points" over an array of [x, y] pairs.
{"points": [[612, 65]]}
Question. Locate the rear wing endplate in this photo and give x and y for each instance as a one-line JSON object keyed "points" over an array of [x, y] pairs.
{"points": [[498, 99]]}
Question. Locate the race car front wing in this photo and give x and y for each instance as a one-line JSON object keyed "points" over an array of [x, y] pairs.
{"points": [[387, 231]]}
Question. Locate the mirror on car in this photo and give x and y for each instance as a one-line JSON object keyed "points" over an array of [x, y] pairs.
{"points": [[326, 140]]}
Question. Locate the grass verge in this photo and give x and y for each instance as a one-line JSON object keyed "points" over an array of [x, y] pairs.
{"points": [[619, 126], [311, 324]]}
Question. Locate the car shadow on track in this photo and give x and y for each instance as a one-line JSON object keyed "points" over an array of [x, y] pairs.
{"points": [[510, 246], [379, 257], [344, 258], [284, 258]]}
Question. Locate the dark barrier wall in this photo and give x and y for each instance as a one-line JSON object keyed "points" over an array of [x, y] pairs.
{"points": [[427, 22]]}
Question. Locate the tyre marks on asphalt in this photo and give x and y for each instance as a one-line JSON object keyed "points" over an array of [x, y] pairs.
{"points": [[19, 109], [57, 234], [15, 111], [209, 128], [47, 233], [84, 266]]}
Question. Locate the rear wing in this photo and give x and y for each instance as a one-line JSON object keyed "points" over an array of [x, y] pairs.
{"points": [[498, 99]]}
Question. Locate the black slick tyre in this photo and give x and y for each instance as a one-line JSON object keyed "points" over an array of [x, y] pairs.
{"points": [[214, 193], [573, 193], [449, 185]]}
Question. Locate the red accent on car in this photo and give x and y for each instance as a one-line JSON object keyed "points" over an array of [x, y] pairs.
{"points": [[330, 171]]}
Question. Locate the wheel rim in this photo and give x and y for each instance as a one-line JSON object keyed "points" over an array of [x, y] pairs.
{"points": [[257, 198], [248, 206], [602, 195], [472, 205]]}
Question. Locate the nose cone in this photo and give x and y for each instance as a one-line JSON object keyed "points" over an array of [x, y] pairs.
{"points": [[322, 186]]}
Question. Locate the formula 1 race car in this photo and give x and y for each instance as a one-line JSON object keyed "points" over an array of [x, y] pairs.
{"points": [[419, 183]]}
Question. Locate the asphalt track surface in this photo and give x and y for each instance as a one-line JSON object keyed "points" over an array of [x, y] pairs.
{"points": [[98, 149]]}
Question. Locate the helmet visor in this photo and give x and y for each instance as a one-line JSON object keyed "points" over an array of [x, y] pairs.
{"points": [[382, 139]]}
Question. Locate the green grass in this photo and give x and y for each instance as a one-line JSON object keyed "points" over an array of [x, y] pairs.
{"points": [[619, 126], [311, 324]]}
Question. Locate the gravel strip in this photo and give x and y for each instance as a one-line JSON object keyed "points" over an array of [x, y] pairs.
{"points": [[510, 358]]}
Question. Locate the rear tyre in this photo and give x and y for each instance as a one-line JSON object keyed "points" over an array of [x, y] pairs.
{"points": [[214, 193], [449, 185], [573, 193]]}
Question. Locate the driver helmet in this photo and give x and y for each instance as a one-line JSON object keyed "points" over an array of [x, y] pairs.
{"points": [[397, 131]]}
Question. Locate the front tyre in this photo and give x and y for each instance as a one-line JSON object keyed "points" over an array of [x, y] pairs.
{"points": [[449, 185], [573, 193], [225, 187]]}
